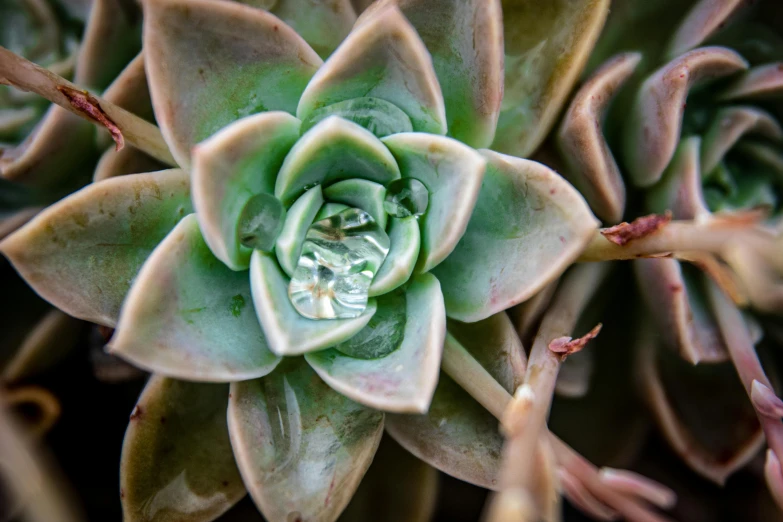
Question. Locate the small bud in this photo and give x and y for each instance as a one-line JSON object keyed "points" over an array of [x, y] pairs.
{"points": [[579, 496], [517, 410], [774, 477], [765, 401], [628, 482]]}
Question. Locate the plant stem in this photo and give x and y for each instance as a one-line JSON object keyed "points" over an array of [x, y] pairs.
{"points": [[477, 381], [571, 298], [27, 76], [676, 236], [743, 354]]}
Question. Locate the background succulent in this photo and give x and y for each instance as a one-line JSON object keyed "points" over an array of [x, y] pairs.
{"points": [[372, 114], [692, 129]]}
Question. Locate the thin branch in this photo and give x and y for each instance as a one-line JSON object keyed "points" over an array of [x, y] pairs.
{"points": [[675, 236], [571, 298], [27, 76], [743, 354]]}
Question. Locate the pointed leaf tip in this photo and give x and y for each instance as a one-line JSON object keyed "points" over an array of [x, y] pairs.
{"points": [[383, 58]]}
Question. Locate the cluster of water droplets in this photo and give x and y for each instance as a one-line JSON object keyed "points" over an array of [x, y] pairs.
{"points": [[340, 254]]}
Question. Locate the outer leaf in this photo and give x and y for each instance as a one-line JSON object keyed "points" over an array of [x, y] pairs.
{"points": [[452, 172], [82, 253], [680, 188], [287, 332], [591, 165], [764, 81], [457, 435], [675, 298], [188, 316], [465, 40], [704, 18], [301, 447], [546, 46], [381, 58], [333, 150], [115, 163], [529, 225], [322, 24], [176, 463], [702, 412], [404, 380], [397, 487], [652, 130], [405, 240], [210, 63], [46, 344], [54, 148], [231, 167], [729, 126]]}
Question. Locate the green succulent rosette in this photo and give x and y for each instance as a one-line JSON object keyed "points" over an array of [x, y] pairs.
{"points": [[689, 124], [196, 266]]}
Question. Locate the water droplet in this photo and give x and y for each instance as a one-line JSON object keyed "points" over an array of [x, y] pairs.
{"points": [[340, 256], [406, 197], [261, 222]]}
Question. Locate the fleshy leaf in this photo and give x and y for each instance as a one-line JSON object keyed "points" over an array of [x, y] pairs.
{"points": [[405, 239], [190, 317], [764, 81], [680, 188], [384, 58], [127, 160], [54, 149], [412, 497], [465, 40], [675, 299], [176, 462], [702, 411], [299, 218], [51, 339], [704, 18], [729, 126], [287, 332], [302, 448], [378, 116], [546, 47], [322, 24], [452, 173], [457, 435], [237, 163], [652, 129], [591, 165], [83, 253], [529, 225], [334, 150], [403, 380], [210, 63], [360, 193]]}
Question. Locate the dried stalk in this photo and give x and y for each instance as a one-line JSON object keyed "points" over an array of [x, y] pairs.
{"points": [[27, 76]]}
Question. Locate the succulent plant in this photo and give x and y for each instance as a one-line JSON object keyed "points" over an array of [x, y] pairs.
{"points": [[688, 124], [345, 233], [333, 208]]}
